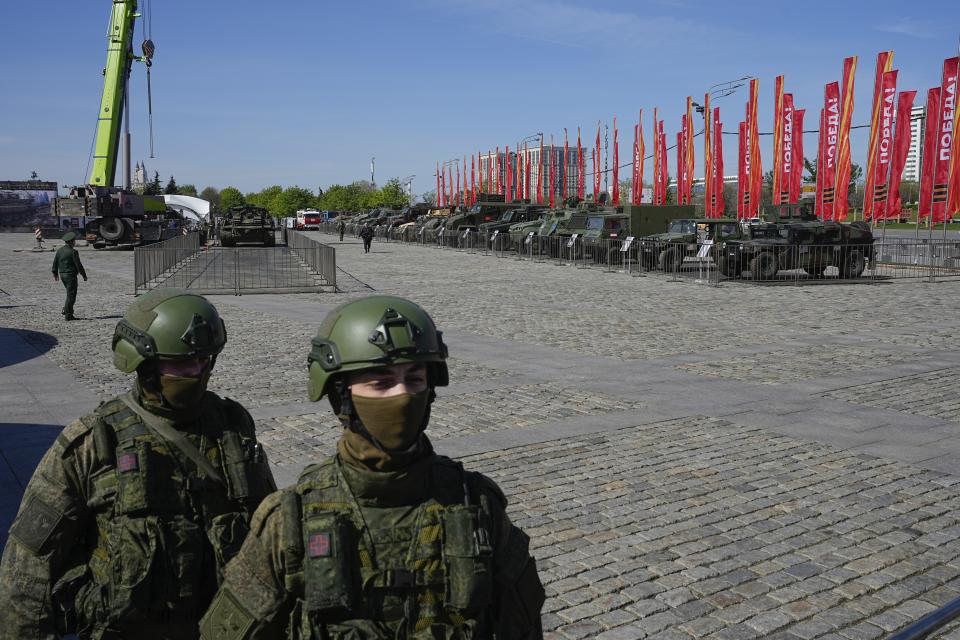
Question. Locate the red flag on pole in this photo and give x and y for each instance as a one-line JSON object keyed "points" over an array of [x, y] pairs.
{"points": [[718, 205], [708, 202], [754, 168], [508, 177], [599, 164], [779, 99], [689, 158], [787, 155], [553, 172], [796, 174], [526, 170], [616, 165], [929, 154], [456, 193], [565, 167], [945, 133], [743, 178], [581, 168], [841, 203], [540, 173], [884, 146], [884, 64], [681, 165], [664, 179], [633, 174], [641, 152], [657, 167], [902, 138], [831, 135]]}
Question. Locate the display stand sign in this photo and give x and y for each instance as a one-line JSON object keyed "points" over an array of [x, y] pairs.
{"points": [[626, 244], [529, 238], [493, 236], [572, 240], [704, 248]]}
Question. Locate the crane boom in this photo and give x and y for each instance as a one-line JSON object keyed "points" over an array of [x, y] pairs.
{"points": [[110, 117]]}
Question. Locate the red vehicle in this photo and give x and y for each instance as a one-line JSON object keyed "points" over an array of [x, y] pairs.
{"points": [[309, 219]]}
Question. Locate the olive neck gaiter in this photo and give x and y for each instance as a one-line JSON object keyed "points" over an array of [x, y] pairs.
{"points": [[183, 392], [395, 426]]}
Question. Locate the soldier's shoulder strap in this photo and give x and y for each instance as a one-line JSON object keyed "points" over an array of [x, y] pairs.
{"points": [[103, 424], [451, 476], [236, 414]]}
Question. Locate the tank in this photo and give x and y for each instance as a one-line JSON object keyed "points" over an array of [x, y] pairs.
{"points": [[247, 224]]}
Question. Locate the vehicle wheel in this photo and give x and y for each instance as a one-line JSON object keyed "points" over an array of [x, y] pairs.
{"points": [[726, 268], [112, 228], [764, 267], [853, 264], [671, 259], [128, 230], [501, 244]]}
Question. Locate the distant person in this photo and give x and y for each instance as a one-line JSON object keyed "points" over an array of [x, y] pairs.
{"points": [[366, 234], [341, 227], [66, 266]]}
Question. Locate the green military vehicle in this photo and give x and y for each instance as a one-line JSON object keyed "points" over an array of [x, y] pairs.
{"points": [[247, 224], [814, 246], [684, 239], [518, 216]]}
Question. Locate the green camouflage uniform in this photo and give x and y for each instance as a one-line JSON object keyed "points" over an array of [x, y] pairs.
{"points": [[66, 263], [119, 535], [351, 553]]}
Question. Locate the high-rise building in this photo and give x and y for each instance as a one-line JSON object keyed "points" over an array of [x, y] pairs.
{"points": [[911, 169]]}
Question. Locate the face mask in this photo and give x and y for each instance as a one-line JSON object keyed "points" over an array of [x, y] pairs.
{"points": [[183, 392], [396, 421]]}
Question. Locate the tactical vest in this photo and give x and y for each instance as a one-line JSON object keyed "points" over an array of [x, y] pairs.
{"points": [[440, 587], [164, 531]]}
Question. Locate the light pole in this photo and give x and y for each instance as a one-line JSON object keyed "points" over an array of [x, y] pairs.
{"points": [[408, 182]]}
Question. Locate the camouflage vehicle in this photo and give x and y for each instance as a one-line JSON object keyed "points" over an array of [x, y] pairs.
{"points": [[518, 216], [815, 246], [247, 224], [682, 239], [488, 208]]}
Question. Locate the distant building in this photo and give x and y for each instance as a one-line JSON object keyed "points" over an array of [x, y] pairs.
{"points": [[911, 169]]}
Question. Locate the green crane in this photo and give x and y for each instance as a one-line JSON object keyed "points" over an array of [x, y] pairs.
{"points": [[116, 76]]}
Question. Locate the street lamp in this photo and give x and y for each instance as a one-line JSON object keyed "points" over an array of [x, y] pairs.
{"points": [[722, 90]]}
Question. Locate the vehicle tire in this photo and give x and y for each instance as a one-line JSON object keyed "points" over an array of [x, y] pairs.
{"points": [[128, 230], [764, 266], [501, 243], [854, 263], [670, 259], [727, 269], [112, 228]]}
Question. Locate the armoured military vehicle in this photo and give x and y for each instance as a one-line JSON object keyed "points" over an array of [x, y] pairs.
{"points": [[814, 246], [489, 207], [517, 216], [247, 224], [683, 238]]}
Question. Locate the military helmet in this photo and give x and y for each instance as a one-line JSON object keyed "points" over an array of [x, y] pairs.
{"points": [[375, 332], [167, 323]]}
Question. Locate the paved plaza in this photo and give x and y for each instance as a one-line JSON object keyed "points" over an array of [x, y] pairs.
{"points": [[690, 461]]}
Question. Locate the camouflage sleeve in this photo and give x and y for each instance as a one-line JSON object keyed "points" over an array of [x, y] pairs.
{"points": [[78, 264], [520, 595], [56, 260], [46, 537], [253, 601]]}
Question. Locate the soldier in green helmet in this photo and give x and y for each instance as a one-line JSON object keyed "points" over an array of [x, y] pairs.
{"points": [[131, 516], [386, 539], [66, 267]]}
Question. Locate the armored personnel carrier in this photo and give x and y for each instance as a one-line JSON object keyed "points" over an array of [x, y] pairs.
{"points": [[249, 225], [517, 216], [683, 238]]}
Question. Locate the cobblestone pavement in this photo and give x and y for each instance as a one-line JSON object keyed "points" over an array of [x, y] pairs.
{"points": [[690, 461]]}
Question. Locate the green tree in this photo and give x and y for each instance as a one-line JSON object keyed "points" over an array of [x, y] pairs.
{"points": [[266, 198], [171, 188], [230, 197], [430, 197], [211, 195], [187, 190], [811, 167], [291, 200], [153, 187]]}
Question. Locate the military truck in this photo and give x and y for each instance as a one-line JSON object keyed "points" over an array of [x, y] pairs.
{"points": [[814, 246], [518, 215], [489, 207], [603, 227], [247, 224], [683, 238]]}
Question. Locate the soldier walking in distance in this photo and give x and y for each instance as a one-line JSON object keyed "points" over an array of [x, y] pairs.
{"points": [[341, 227], [66, 267], [131, 516], [366, 233], [386, 539]]}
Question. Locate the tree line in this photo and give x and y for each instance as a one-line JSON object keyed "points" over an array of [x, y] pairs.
{"points": [[285, 202]]}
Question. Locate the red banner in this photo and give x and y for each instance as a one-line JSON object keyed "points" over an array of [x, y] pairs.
{"points": [[718, 206], [540, 173], [829, 134], [616, 165], [777, 190], [641, 151], [507, 174], [743, 179], [841, 203], [636, 165], [755, 168], [708, 203], [781, 187], [581, 168], [688, 155], [553, 172], [656, 159], [473, 179], [564, 190], [664, 170], [598, 165], [870, 194], [929, 155], [944, 141], [796, 175], [884, 148], [902, 138], [681, 168]]}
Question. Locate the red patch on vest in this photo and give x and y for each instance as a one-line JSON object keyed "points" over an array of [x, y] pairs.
{"points": [[128, 462], [318, 545]]}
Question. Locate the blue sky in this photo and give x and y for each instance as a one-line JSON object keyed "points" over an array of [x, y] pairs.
{"points": [[252, 93]]}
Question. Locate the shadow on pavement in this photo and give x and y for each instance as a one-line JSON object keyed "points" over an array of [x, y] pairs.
{"points": [[12, 347]]}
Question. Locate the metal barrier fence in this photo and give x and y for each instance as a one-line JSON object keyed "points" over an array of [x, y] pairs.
{"points": [[704, 262], [321, 258], [304, 266], [151, 262]]}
